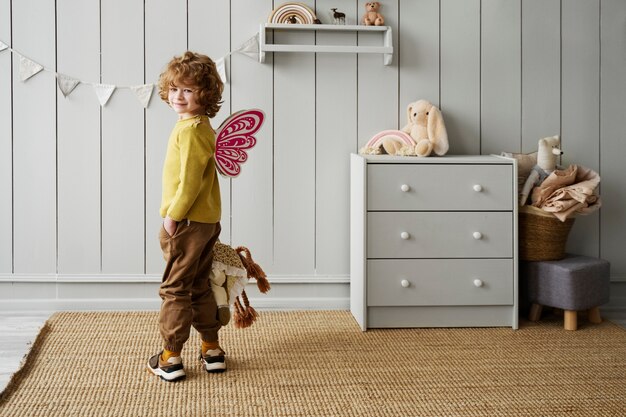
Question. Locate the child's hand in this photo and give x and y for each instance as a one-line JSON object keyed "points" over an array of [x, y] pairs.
{"points": [[170, 226]]}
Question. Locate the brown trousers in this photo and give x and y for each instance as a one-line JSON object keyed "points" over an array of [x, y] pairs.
{"points": [[185, 289]]}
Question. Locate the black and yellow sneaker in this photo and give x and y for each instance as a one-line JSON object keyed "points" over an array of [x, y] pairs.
{"points": [[170, 370], [213, 360]]}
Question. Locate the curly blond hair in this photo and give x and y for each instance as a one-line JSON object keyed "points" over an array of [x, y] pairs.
{"points": [[197, 70]]}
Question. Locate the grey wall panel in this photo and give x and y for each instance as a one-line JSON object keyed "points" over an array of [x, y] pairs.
{"points": [[500, 83], [6, 139], [460, 74], [377, 91], [541, 71], [613, 133], [214, 40], [34, 141], [504, 74], [335, 139], [123, 211], [252, 86], [581, 105], [78, 149], [417, 53], [161, 45], [294, 156]]}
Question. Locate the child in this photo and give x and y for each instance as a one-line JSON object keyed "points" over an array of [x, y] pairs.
{"points": [[191, 208]]}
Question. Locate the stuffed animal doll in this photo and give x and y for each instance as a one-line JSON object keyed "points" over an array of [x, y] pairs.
{"points": [[229, 275], [548, 150], [425, 125], [372, 17]]}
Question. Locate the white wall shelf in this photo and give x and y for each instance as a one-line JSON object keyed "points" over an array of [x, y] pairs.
{"points": [[386, 49]]}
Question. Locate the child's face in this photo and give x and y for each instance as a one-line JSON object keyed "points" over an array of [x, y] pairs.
{"points": [[182, 98]]}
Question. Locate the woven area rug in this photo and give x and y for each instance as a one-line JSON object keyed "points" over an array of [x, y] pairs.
{"points": [[318, 363]]}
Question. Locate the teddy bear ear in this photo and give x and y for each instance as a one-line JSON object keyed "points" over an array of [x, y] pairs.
{"points": [[437, 131], [409, 110]]}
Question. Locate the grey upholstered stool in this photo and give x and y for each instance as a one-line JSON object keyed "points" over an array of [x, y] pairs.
{"points": [[573, 284]]}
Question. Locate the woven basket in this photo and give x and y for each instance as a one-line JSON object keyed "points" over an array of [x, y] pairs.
{"points": [[542, 237]]}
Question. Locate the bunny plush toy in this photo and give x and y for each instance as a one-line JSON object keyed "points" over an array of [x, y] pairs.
{"points": [[425, 125]]}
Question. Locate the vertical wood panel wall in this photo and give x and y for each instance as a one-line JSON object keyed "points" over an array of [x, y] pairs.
{"points": [[80, 183]]}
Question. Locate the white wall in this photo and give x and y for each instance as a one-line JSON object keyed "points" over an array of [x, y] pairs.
{"points": [[80, 183]]}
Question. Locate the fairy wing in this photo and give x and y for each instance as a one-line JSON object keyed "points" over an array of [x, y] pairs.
{"points": [[234, 138]]}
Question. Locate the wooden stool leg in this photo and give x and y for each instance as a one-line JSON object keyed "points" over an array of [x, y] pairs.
{"points": [[594, 315], [570, 320], [535, 312]]}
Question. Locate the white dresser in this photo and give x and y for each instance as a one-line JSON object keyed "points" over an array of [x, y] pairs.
{"points": [[433, 241]]}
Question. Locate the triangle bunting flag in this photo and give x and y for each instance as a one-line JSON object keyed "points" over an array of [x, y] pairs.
{"points": [[66, 84], [221, 69], [3, 46], [143, 93], [28, 68], [103, 91], [250, 47]]}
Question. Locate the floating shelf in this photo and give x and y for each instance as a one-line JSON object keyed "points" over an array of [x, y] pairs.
{"points": [[386, 49]]}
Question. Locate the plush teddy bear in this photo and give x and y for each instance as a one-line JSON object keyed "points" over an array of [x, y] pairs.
{"points": [[425, 125], [372, 17], [548, 150]]}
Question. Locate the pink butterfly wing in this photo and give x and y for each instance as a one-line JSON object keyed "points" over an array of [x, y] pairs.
{"points": [[234, 138]]}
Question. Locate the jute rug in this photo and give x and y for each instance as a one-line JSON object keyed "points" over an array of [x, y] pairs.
{"points": [[318, 363]]}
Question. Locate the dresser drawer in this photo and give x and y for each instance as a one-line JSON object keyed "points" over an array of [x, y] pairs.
{"points": [[438, 282], [439, 187], [439, 235]]}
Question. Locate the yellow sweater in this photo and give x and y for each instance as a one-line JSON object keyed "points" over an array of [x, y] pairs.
{"points": [[191, 189]]}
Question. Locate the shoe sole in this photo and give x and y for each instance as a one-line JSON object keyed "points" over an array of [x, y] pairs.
{"points": [[169, 377], [215, 367]]}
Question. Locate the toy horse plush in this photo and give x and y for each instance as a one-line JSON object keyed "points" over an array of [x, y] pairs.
{"points": [[230, 272]]}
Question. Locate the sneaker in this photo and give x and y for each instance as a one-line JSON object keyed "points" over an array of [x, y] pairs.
{"points": [[171, 371], [213, 360]]}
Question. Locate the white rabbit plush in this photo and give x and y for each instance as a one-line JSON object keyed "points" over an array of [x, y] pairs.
{"points": [[425, 125]]}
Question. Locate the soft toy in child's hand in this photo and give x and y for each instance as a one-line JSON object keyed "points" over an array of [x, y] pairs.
{"points": [[426, 127], [229, 275], [548, 150]]}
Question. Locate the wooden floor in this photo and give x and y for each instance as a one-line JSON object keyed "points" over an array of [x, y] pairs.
{"points": [[18, 331]]}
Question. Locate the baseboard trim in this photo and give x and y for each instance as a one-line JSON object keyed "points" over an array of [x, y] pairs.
{"points": [[154, 278], [140, 293], [153, 304]]}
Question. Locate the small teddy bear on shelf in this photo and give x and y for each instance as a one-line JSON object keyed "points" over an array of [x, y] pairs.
{"points": [[372, 17], [548, 151]]}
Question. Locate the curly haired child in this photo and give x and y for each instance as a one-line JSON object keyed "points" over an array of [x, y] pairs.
{"points": [[191, 211]]}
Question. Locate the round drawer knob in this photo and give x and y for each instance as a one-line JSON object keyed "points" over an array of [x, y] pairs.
{"points": [[405, 283], [478, 188], [405, 235], [478, 283], [405, 187], [477, 235]]}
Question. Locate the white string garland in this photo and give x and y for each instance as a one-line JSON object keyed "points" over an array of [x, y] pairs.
{"points": [[143, 92]]}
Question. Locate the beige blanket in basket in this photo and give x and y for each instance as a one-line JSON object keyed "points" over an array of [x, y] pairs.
{"points": [[568, 192]]}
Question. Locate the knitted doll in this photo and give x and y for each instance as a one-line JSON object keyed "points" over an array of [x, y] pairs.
{"points": [[229, 275]]}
